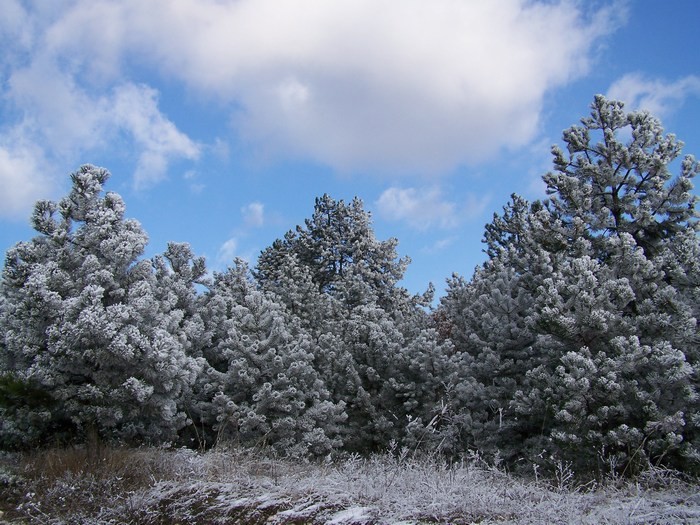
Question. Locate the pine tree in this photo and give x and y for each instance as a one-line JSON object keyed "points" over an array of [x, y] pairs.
{"points": [[178, 275], [342, 284], [641, 224], [334, 245], [494, 331], [582, 325], [261, 386], [613, 186], [84, 329]]}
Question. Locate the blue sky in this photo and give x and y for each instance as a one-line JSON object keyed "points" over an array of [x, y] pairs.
{"points": [[221, 121]]}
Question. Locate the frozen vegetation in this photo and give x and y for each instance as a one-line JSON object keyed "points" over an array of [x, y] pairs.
{"points": [[570, 355], [153, 486]]}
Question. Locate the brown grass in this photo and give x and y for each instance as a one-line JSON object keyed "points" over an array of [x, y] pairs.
{"points": [[49, 485]]}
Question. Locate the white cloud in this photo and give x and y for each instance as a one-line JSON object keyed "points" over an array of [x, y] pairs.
{"points": [[254, 214], [236, 246], [659, 97], [439, 245], [410, 86], [15, 25], [57, 112], [191, 177], [135, 109], [227, 251], [423, 208], [220, 148], [69, 121], [19, 191], [55, 108], [62, 122]]}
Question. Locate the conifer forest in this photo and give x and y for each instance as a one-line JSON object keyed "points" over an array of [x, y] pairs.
{"points": [[577, 339]]}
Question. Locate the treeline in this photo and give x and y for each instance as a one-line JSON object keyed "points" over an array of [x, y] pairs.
{"points": [[577, 340]]}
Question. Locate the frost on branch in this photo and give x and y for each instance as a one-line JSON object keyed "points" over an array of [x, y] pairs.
{"points": [[83, 327], [579, 335]]}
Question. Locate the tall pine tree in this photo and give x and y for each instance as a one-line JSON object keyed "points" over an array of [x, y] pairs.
{"points": [[83, 328], [583, 320], [342, 283], [260, 386]]}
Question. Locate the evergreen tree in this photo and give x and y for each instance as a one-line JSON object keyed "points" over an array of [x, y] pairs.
{"points": [[260, 383], [613, 185], [641, 224], [494, 331], [582, 326], [342, 284], [83, 328], [337, 244], [178, 274]]}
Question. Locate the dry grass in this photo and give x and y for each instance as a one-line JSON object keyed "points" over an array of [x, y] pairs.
{"points": [[101, 485], [49, 485]]}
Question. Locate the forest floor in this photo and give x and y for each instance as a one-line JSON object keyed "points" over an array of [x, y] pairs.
{"points": [[156, 487]]}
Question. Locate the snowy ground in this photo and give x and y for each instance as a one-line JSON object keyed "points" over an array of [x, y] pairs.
{"points": [[185, 487]]}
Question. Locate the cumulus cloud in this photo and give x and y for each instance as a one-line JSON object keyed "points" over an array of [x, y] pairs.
{"points": [[411, 86], [61, 123], [423, 208], [56, 114], [659, 97], [56, 111], [15, 25]]}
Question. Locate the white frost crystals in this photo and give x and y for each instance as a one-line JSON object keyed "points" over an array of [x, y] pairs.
{"points": [[82, 326]]}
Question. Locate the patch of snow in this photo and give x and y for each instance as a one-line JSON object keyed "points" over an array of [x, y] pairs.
{"points": [[303, 511], [351, 515]]}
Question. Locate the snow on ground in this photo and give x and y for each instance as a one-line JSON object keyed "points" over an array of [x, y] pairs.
{"points": [[147, 487]]}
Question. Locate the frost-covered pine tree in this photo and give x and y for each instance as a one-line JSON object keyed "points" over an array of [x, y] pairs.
{"points": [[592, 299], [615, 177], [178, 274], [342, 284], [630, 304], [334, 245], [612, 393], [260, 385], [83, 328], [492, 327]]}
